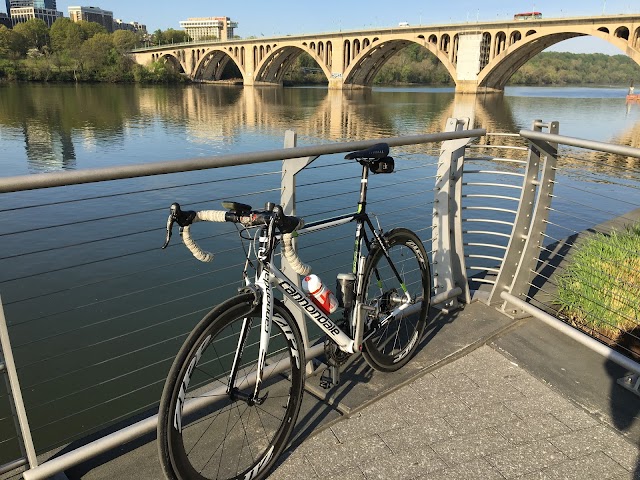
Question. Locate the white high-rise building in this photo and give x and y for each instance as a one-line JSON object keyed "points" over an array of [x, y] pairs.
{"points": [[209, 28]]}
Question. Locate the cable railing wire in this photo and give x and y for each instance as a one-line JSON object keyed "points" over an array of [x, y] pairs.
{"points": [[566, 257], [589, 313], [574, 232], [122, 296], [618, 297], [117, 337], [600, 195]]}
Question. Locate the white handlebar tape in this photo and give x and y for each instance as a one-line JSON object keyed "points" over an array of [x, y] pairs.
{"points": [[202, 216], [292, 257], [210, 216]]}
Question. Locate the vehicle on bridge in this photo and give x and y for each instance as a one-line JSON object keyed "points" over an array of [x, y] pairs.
{"points": [[527, 16]]}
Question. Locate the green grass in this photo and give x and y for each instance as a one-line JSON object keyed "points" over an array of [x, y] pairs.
{"points": [[600, 288]]}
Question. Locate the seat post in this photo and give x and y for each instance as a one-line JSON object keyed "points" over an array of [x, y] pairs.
{"points": [[362, 203]]}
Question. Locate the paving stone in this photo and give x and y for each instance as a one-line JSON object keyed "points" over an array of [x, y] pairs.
{"points": [[491, 394], [493, 376], [325, 439], [480, 417], [532, 408], [523, 431], [335, 458], [596, 466], [419, 435], [464, 448], [291, 466], [406, 399], [371, 420], [439, 398], [531, 387], [598, 438], [477, 469], [526, 458], [348, 474], [407, 464]]}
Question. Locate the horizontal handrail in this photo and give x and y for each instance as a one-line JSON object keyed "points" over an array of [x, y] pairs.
{"points": [[7, 467], [582, 143], [57, 179], [570, 331]]}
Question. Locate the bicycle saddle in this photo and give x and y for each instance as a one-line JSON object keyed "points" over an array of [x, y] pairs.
{"points": [[379, 150]]}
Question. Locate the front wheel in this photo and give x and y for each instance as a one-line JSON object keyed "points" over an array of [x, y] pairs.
{"points": [[207, 430], [399, 300]]}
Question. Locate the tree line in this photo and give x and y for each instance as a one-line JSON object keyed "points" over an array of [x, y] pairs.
{"points": [[79, 52], [85, 51]]}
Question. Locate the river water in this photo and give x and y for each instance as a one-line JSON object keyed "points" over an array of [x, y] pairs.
{"points": [[85, 337], [53, 127]]}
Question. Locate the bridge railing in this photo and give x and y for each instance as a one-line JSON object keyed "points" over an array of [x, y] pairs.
{"points": [[96, 310]]}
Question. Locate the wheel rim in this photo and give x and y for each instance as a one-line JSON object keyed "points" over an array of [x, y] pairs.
{"points": [[231, 437]]}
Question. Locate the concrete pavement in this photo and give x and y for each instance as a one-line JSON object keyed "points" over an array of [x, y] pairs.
{"points": [[479, 417]]}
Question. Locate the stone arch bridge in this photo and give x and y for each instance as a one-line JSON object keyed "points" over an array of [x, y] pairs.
{"points": [[480, 57]]}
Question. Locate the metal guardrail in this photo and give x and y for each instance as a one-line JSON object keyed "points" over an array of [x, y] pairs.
{"points": [[503, 230], [96, 311], [561, 227]]}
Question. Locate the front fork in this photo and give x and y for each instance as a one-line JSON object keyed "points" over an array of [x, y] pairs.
{"points": [[265, 333]]}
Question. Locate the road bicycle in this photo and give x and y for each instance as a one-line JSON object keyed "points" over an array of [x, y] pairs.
{"points": [[232, 396]]}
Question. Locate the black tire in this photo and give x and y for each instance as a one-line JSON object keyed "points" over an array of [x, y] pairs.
{"points": [[393, 345], [230, 438]]}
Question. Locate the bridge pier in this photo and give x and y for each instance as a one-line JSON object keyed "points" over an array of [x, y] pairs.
{"points": [[471, 87]]}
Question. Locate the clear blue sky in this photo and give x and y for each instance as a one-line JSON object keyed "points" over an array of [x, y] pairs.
{"points": [[280, 17]]}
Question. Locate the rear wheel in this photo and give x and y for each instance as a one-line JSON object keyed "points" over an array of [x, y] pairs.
{"points": [[390, 345], [229, 436]]}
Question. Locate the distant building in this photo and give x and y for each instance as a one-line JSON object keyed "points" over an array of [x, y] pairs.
{"points": [[22, 10], [5, 20], [41, 4], [204, 28], [131, 26], [92, 14], [24, 14]]}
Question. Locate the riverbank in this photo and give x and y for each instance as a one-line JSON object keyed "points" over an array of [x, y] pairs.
{"points": [[48, 70]]}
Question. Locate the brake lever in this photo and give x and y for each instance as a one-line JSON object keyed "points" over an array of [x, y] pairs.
{"points": [[181, 218]]}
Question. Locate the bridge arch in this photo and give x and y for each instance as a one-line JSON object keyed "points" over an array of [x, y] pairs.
{"points": [[211, 64], [497, 72], [361, 72], [272, 68], [171, 59]]}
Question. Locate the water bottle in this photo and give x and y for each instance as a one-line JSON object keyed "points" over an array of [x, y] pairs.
{"points": [[319, 294]]}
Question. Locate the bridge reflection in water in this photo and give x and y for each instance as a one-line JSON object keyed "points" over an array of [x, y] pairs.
{"points": [[54, 120]]}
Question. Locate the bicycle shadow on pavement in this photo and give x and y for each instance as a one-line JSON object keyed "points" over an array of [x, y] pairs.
{"points": [[359, 386]]}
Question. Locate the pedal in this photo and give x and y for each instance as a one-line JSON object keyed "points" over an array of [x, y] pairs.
{"points": [[325, 379]]}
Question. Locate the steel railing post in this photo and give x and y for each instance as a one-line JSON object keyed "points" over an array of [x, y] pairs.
{"points": [[531, 253], [518, 267], [290, 169], [521, 224], [26, 442], [449, 270]]}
